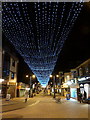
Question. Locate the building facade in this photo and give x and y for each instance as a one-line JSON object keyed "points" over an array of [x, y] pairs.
{"points": [[21, 89], [9, 74], [77, 80], [74, 86], [83, 71], [65, 87]]}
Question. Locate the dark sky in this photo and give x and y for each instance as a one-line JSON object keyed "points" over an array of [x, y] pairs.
{"points": [[76, 48]]}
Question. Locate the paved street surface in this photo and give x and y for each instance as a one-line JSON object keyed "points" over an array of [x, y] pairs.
{"points": [[42, 106], [16, 103]]}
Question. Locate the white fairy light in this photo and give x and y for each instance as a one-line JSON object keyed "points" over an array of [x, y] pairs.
{"points": [[39, 35]]}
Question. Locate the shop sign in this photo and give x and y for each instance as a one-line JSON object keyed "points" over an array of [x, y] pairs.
{"points": [[83, 78], [64, 86], [19, 87], [22, 85], [86, 85], [12, 83]]}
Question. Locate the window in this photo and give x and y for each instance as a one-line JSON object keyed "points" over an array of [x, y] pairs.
{"points": [[86, 70], [6, 65], [13, 63], [12, 75]]}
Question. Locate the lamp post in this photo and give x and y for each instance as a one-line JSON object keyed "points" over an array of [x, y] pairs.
{"points": [[50, 87], [54, 86], [57, 82], [31, 91], [54, 77]]}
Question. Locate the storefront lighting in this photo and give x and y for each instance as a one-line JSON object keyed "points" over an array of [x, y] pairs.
{"points": [[87, 77], [69, 82], [83, 78], [64, 85], [1, 80], [72, 81], [86, 85], [81, 85], [27, 88]]}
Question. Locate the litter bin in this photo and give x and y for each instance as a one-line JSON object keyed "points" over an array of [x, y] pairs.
{"points": [[68, 96]]}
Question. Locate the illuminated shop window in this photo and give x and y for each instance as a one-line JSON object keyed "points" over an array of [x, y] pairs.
{"points": [[12, 75]]}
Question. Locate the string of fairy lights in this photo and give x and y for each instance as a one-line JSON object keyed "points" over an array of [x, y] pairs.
{"points": [[44, 1], [38, 31]]}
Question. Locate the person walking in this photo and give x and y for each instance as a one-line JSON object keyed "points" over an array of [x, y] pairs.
{"points": [[85, 95], [80, 97], [26, 96]]}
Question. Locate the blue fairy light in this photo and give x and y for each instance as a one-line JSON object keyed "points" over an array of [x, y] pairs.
{"points": [[39, 39]]}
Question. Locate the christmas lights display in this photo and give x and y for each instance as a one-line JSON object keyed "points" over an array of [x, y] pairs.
{"points": [[44, 1], [38, 31]]}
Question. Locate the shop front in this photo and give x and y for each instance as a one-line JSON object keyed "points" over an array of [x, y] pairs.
{"points": [[85, 88], [21, 89], [64, 89], [3, 90], [11, 89], [74, 90]]}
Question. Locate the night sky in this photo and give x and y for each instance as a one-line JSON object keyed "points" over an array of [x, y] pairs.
{"points": [[76, 48]]}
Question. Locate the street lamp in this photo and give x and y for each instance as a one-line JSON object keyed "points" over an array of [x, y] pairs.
{"points": [[57, 76], [54, 86], [33, 76], [51, 76], [54, 77], [57, 82], [27, 76], [31, 91]]}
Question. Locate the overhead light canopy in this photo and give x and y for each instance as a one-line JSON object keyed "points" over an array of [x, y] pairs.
{"points": [[38, 31]]}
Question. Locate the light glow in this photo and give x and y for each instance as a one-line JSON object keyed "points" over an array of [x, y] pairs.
{"points": [[69, 83], [1, 80], [83, 78], [27, 76], [51, 76], [57, 76], [33, 76]]}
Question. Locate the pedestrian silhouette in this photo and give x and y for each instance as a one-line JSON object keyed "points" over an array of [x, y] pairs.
{"points": [[26, 96], [80, 97]]}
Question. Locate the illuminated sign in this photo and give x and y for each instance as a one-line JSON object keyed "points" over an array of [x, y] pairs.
{"points": [[83, 78]]}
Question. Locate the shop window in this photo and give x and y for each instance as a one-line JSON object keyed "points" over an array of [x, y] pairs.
{"points": [[12, 75], [86, 70], [6, 65]]}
